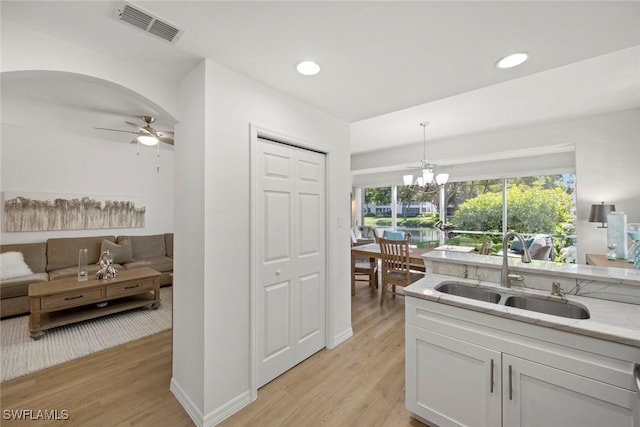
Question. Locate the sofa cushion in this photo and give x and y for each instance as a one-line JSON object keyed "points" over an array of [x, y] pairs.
{"points": [[168, 243], [35, 254], [63, 252], [72, 272], [20, 286], [145, 247], [161, 264], [12, 265], [120, 254]]}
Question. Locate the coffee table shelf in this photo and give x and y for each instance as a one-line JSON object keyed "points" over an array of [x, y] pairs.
{"points": [[63, 302]]}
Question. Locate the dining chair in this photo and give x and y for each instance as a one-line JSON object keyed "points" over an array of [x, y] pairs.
{"points": [[361, 266], [364, 267], [396, 266], [403, 235]]}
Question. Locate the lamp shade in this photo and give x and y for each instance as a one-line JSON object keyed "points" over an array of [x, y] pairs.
{"points": [[442, 178], [427, 176], [408, 179], [599, 213]]}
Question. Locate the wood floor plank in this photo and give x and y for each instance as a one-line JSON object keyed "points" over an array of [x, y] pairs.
{"points": [[359, 383]]}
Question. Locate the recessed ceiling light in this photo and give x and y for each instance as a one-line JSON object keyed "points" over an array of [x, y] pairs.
{"points": [[513, 60], [308, 68]]}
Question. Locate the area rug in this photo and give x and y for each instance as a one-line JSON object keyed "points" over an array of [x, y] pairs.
{"points": [[22, 355]]}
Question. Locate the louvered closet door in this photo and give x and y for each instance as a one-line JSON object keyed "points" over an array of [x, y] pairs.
{"points": [[290, 239]]}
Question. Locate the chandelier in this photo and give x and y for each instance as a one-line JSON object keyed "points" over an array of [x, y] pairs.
{"points": [[428, 177]]}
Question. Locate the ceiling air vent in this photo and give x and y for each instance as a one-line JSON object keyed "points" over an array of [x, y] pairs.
{"points": [[145, 21]]}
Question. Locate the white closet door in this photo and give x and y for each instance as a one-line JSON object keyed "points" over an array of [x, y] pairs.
{"points": [[290, 239]]}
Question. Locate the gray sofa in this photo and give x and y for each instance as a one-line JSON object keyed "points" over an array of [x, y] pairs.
{"points": [[58, 259]]}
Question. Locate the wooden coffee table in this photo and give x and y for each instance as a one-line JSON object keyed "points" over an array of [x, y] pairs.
{"points": [[62, 302]]}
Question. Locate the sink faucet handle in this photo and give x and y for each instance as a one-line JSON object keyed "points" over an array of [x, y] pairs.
{"points": [[515, 277], [557, 290]]}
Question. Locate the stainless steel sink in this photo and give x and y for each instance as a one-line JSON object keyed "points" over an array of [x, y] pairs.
{"points": [[473, 292], [556, 307], [561, 308]]}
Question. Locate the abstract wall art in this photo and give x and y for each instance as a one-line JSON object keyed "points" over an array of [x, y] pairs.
{"points": [[50, 212]]}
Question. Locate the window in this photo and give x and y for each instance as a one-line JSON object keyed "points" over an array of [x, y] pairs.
{"points": [[534, 205]]}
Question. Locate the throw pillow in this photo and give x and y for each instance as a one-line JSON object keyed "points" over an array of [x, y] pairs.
{"points": [[121, 254], [516, 247], [12, 265], [393, 235]]}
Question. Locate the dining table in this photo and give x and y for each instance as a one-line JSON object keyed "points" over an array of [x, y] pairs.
{"points": [[372, 251]]}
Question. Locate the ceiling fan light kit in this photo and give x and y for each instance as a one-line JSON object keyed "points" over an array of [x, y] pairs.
{"points": [[428, 174], [148, 140]]}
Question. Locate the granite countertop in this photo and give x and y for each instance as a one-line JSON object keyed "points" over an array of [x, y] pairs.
{"points": [[609, 320], [579, 271]]}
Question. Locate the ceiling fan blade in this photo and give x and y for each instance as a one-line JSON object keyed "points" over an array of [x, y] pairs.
{"points": [[165, 136], [140, 129], [133, 124], [115, 130], [166, 139]]}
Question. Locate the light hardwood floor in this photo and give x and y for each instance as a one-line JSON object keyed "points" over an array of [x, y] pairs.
{"points": [[359, 383]]}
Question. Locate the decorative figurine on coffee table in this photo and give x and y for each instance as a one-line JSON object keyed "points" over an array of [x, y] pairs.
{"points": [[107, 270]]}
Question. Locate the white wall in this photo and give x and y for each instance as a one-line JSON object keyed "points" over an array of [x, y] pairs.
{"points": [[607, 170], [187, 381], [232, 103], [606, 162], [40, 161]]}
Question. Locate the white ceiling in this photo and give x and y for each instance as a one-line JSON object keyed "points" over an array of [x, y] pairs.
{"points": [[386, 65]]}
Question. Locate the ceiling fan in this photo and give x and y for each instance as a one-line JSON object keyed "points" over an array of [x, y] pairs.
{"points": [[147, 135]]}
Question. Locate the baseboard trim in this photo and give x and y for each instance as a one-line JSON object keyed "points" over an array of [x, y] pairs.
{"points": [[342, 337], [228, 409], [215, 417], [187, 403]]}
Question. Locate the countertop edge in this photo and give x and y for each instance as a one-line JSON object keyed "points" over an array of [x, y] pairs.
{"points": [[609, 319]]}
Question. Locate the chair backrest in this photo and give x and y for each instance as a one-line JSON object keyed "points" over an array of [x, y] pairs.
{"points": [[395, 255], [486, 248], [354, 239]]}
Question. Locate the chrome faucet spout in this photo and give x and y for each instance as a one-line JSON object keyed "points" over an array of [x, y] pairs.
{"points": [[505, 280]]}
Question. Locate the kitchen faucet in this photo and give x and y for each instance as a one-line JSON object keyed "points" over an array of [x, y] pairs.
{"points": [[505, 277]]}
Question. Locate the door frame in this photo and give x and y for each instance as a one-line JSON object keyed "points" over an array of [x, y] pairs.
{"points": [[256, 132]]}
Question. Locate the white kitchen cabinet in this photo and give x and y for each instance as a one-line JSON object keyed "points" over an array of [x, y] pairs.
{"points": [[537, 395], [466, 368], [455, 383]]}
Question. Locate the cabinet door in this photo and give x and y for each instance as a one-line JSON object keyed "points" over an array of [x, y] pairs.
{"points": [[538, 395], [451, 382]]}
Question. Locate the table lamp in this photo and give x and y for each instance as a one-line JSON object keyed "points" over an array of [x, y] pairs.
{"points": [[599, 213]]}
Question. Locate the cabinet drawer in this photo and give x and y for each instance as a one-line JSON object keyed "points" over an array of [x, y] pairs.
{"points": [[129, 288], [71, 299]]}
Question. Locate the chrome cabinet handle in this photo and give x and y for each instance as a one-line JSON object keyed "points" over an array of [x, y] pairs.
{"points": [[636, 373], [491, 377], [510, 383]]}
